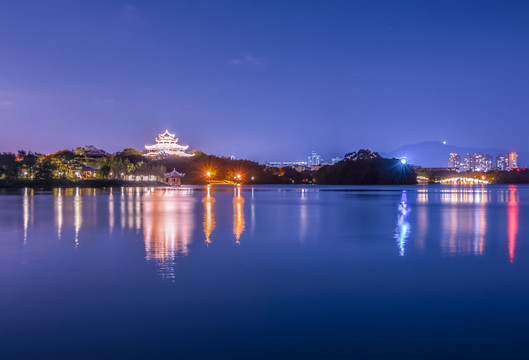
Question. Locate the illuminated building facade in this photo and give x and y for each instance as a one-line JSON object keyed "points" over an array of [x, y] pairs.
{"points": [[468, 163], [502, 162], [296, 165], [315, 159], [513, 161], [488, 163], [507, 162], [476, 162], [454, 161], [482, 162], [166, 145]]}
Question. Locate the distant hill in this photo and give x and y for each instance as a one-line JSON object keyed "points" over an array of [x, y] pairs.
{"points": [[435, 154]]}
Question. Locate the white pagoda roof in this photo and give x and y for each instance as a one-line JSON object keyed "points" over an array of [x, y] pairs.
{"points": [[161, 146], [167, 136], [166, 145], [175, 174]]}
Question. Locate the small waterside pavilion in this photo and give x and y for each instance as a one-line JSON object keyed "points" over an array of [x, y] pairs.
{"points": [[174, 178]]}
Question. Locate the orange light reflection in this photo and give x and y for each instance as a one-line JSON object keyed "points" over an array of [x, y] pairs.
{"points": [[209, 216], [238, 214]]}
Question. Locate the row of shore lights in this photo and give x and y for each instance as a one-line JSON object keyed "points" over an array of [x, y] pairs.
{"points": [[237, 177]]}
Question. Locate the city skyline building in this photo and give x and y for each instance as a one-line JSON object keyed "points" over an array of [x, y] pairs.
{"points": [[454, 161], [507, 161], [468, 163], [513, 161], [315, 159], [285, 163], [489, 163], [481, 162], [502, 162]]}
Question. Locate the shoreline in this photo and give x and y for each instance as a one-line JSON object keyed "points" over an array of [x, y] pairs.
{"points": [[101, 184]]}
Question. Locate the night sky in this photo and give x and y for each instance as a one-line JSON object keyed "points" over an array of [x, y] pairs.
{"points": [[266, 80]]}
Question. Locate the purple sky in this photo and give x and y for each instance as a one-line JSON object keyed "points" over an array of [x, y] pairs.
{"points": [[266, 80]]}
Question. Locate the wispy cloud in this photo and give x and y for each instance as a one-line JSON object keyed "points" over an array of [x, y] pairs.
{"points": [[247, 58]]}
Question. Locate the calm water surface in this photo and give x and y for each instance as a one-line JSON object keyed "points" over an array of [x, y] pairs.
{"points": [[265, 272]]}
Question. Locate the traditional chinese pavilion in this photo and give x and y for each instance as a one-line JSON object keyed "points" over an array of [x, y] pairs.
{"points": [[174, 178], [166, 145]]}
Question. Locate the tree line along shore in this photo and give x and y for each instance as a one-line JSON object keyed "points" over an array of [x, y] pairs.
{"points": [[67, 168], [130, 167]]}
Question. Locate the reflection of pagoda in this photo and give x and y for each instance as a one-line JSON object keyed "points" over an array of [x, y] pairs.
{"points": [[168, 221], [166, 145]]}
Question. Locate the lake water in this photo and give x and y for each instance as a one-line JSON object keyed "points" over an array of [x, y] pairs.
{"points": [[265, 272]]}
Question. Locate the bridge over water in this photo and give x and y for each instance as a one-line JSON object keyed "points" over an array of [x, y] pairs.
{"points": [[462, 180]]}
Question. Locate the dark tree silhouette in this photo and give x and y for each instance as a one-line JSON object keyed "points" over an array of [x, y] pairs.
{"points": [[366, 168]]}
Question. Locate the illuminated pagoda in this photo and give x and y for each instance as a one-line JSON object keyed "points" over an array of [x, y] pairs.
{"points": [[166, 145]]}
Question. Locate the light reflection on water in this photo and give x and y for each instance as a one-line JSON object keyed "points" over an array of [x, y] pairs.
{"points": [[58, 206], [27, 202], [403, 225], [238, 215], [78, 215], [453, 218], [443, 266], [463, 220], [111, 215], [168, 221], [209, 215]]}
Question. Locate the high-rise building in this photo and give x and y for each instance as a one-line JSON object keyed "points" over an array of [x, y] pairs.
{"points": [[512, 159], [315, 159], [479, 162], [280, 164], [468, 162], [476, 162], [502, 162], [487, 166], [454, 161], [507, 162]]}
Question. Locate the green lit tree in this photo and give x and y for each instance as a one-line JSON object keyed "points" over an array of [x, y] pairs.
{"points": [[44, 169]]}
